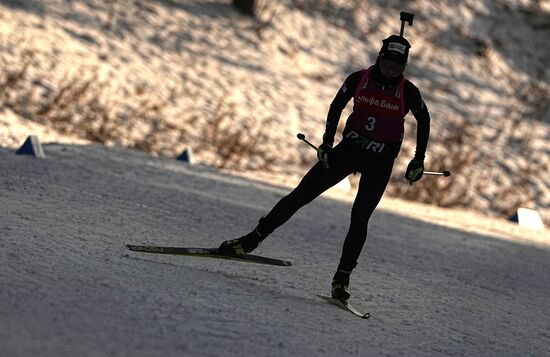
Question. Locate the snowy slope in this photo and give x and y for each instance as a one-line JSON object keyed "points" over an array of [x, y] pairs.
{"points": [[162, 75], [69, 287]]}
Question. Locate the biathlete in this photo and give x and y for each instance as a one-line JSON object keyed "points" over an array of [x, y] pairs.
{"points": [[372, 138]]}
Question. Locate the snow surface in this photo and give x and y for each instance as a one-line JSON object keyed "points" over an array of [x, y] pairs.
{"points": [[69, 287]]}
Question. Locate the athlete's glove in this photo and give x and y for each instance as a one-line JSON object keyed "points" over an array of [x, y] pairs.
{"points": [[323, 153], [415, 170]]}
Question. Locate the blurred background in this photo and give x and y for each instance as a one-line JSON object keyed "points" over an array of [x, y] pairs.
{"points": [[235, 81]]}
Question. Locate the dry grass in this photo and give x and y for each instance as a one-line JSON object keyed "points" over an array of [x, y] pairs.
{"points": [[12, 75], [83, 105], [458, 155], [237, 146], [467, 183]]}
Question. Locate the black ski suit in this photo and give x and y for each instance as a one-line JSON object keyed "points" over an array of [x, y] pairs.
{"points": [[350, 156]]}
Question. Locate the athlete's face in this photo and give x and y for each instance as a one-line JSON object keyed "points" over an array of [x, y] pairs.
{"points": [[391, 69]]}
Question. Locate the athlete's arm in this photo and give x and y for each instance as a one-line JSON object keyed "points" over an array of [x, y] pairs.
{"points": [[338, 104], [413, 99]]}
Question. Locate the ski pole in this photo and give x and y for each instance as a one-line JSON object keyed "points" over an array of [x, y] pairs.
{"points": [[442, 173], [433, 173], [303, 138]]}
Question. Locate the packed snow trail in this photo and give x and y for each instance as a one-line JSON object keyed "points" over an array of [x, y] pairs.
{"points": [[70, 287]]}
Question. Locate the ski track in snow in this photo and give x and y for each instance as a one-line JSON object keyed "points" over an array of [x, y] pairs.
{"points": [[69, 286]]}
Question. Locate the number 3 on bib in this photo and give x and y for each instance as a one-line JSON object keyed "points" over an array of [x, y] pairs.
{"points": [[370, 124]]}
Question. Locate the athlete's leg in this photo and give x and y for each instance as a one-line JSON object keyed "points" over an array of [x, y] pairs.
{"points": [[372, 185], [371, 189], [343, 162]]}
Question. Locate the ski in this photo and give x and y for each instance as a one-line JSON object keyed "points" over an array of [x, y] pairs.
{"points": [[345, 305], [207, 253]]}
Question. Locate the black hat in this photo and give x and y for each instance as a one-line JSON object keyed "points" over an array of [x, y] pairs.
{"points": [[395, 48]]}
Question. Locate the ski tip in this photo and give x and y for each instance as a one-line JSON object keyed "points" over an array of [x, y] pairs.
{"points": [[132, 247], [345, 305]]}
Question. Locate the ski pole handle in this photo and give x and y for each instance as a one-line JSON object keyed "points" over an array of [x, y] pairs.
{"points": [[303, 138], [442, 173]]}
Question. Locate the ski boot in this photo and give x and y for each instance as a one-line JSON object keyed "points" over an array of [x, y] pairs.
{"points": [[244, 244], [340, 285]]}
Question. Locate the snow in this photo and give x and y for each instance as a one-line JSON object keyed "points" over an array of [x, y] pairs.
{"points": [[436, 281], [481, 67], [69, 286]]}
